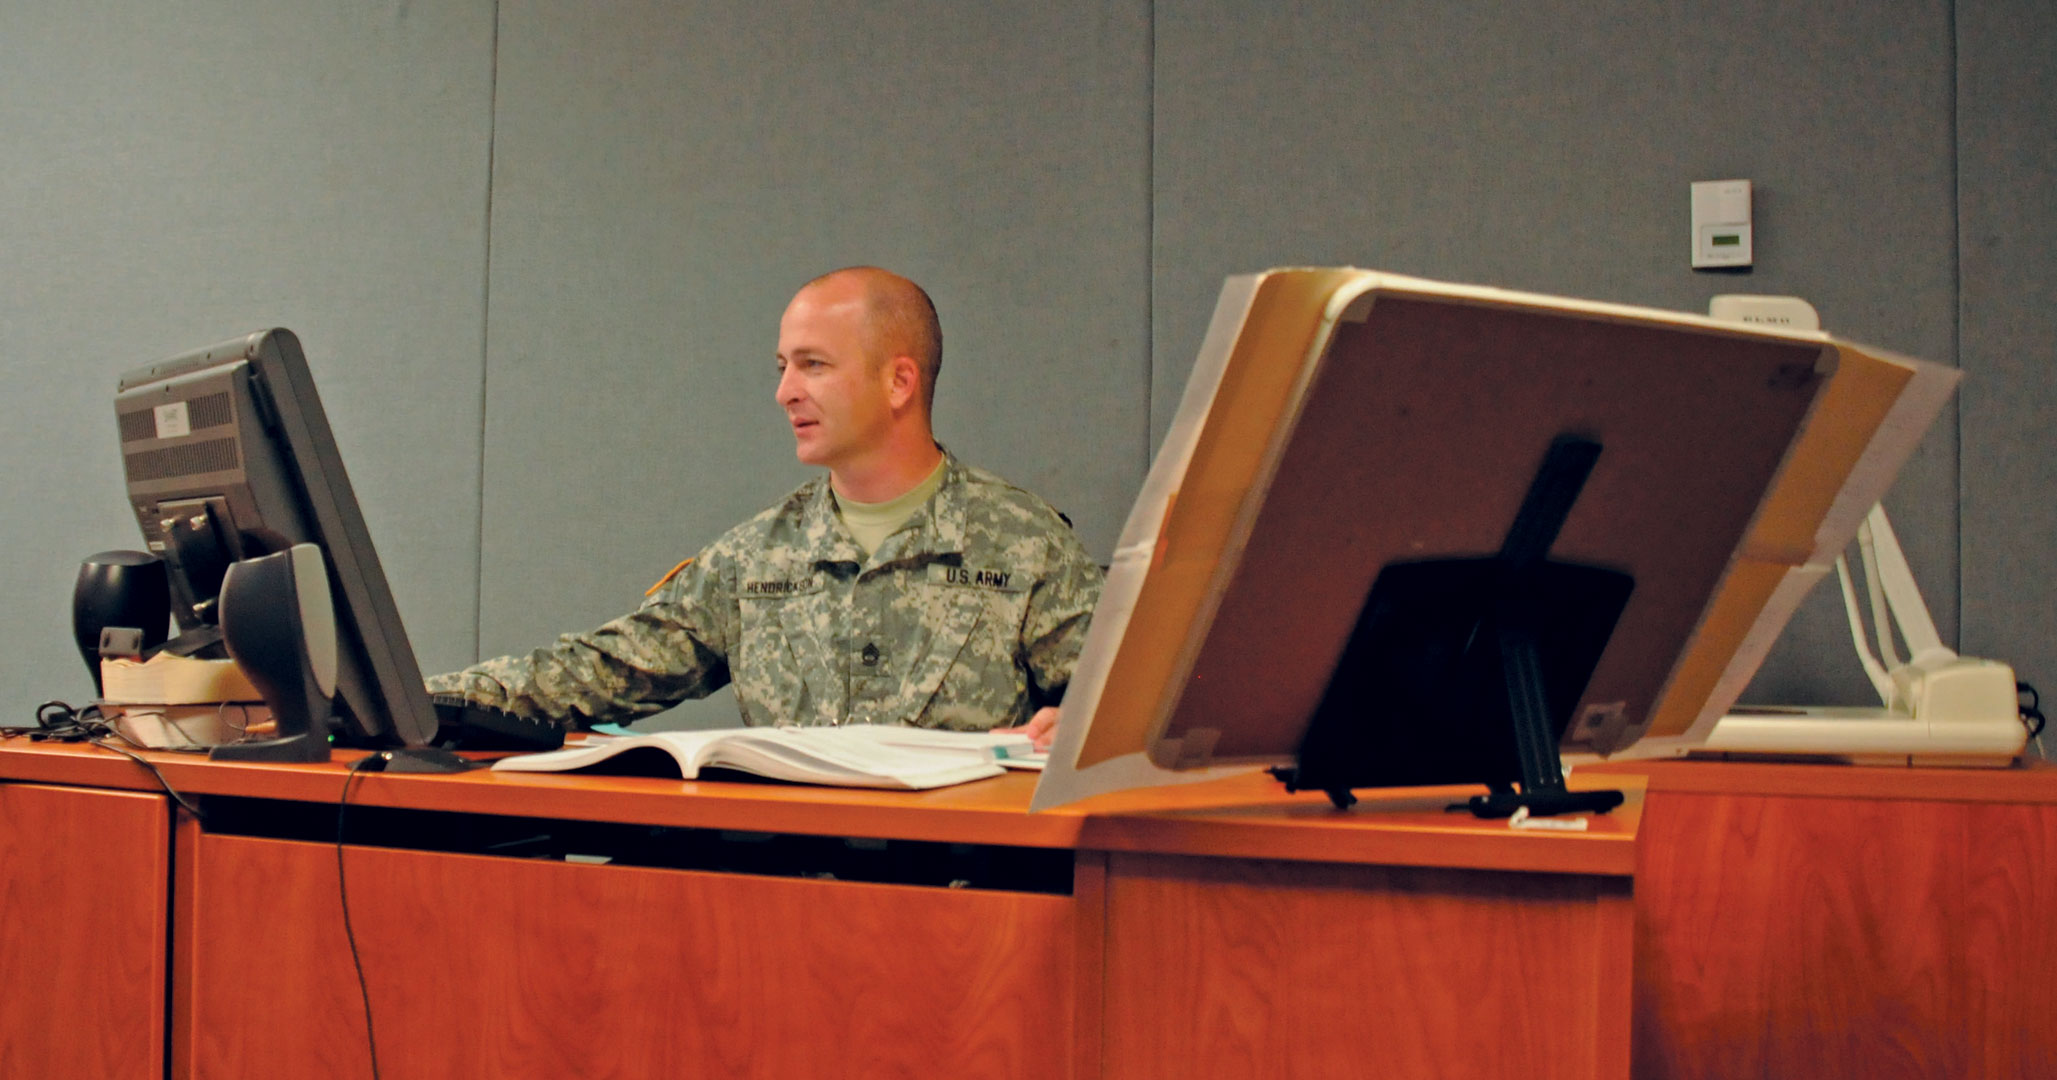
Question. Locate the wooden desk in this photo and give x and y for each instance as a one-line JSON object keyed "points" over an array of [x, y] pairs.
{"points": [[1844, 921], [1236, 932]]}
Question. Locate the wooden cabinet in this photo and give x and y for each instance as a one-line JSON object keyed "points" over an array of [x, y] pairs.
{"points": [[1268, 969], [1843, 921], [499, 967], [84, 888]]}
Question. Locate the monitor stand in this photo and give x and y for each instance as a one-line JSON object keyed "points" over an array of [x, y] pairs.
{"points": [[1466, 670], [1542, 771]]}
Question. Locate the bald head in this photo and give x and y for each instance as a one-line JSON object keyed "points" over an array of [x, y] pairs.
{"points": [[900, 319]]}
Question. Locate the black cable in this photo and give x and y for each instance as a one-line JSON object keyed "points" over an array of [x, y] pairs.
{"points": [[368, 763], [188, 807], [2031, 713], [57, 721]]}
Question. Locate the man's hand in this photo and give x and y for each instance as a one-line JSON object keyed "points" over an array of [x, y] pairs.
{"points": [[1041, 728]]}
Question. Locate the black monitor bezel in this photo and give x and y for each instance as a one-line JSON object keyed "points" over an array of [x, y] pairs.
{"points": [[286, 442]]}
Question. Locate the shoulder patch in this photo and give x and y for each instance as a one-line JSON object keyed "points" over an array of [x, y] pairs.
{"points": [[666, 579]]}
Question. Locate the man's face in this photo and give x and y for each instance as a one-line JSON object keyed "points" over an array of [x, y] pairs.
{"points": [[833, 395]]}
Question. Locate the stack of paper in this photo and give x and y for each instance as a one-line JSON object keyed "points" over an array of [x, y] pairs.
{"points": [[177, 702]]}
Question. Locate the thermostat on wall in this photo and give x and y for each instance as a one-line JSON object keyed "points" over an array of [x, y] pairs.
{"points": [[1721, 223]]}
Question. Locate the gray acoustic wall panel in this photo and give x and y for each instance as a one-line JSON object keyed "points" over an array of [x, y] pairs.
{"points": [[1073, 182], [1550, 147], [175, 175], [2007, 65], [666, 175]]}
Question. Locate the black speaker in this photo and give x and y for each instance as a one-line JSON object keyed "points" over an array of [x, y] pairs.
{"points": [[279, 624], [119, 588]]}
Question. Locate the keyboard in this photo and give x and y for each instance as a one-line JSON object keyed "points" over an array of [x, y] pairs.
{"points": [[464, 725]]}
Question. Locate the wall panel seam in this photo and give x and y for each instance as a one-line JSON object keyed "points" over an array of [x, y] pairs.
{"points": [[1957, 287], [1150, 235], [478, 530]]}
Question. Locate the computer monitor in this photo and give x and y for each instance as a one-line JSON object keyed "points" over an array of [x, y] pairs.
{"points": [[229, 456]]}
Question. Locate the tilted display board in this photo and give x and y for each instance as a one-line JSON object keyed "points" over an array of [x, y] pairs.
{"points": [[1342, 422]]}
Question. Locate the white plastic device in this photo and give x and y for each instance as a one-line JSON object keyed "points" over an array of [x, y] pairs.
{"points": [[1783, 312], [1937, 707], [1721, 223]]}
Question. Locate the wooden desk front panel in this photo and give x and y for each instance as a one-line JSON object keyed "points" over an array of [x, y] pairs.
{"points": [[1259, 969], [85, 881], [489, 967], [1841, 937]]}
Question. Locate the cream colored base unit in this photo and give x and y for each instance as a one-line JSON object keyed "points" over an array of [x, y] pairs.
{"points": [[1939, 708], [1867, 736]]}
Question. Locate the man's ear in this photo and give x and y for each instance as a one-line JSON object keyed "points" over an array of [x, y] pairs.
{"points": [[904, 383]]}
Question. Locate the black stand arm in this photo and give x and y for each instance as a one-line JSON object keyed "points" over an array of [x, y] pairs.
{"points": [[1542, 773], [1543, 512]]}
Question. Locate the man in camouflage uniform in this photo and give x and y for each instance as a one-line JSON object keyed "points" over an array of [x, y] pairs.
{"points": [[902, 587]]}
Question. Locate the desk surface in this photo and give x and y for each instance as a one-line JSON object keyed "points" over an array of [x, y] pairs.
{"points": [[2031, 780], [1247, 815]]}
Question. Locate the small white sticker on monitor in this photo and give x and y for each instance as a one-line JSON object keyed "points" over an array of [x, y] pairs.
{"points": [[172, 421]]}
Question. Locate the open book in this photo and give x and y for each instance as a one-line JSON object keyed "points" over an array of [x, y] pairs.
{"points": [[862, 755]]}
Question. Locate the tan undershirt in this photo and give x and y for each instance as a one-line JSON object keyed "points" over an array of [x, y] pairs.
{"points": [[871, 523]]}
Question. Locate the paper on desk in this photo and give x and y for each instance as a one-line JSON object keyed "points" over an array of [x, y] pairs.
{"points": [[165, 679]]}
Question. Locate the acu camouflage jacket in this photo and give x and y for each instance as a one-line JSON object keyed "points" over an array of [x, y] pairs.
{"points": [[970, 616]]}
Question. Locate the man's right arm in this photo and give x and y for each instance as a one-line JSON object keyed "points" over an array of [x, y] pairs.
{"points": [[676, 646]]}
